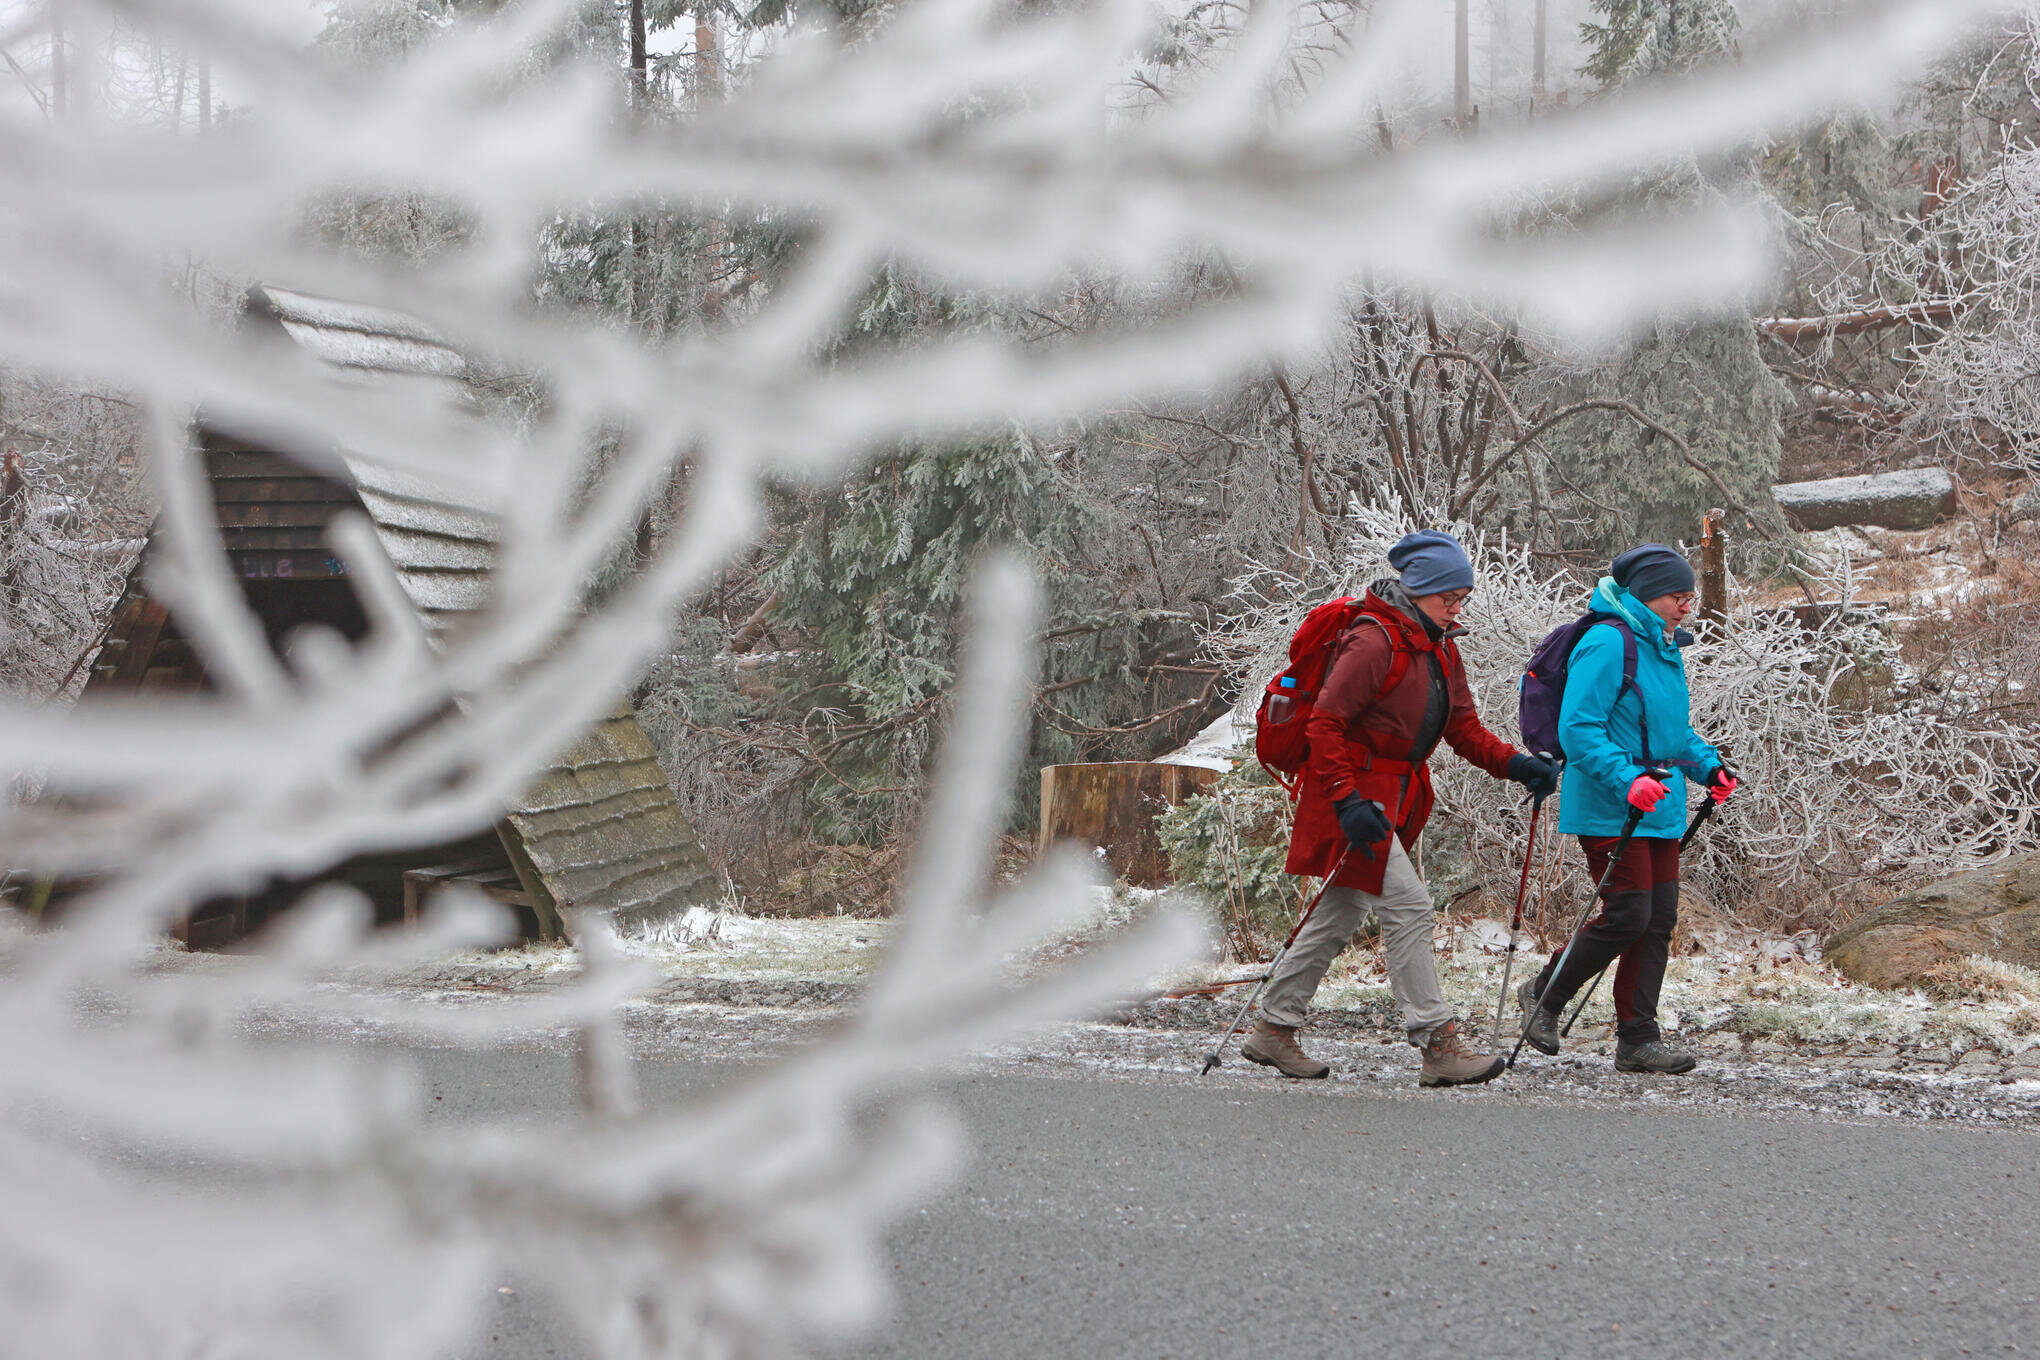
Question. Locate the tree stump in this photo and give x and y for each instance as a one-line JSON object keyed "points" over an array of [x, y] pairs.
{"points": [[1112, 806]]}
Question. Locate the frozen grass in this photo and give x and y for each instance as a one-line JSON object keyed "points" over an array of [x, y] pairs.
{"points": [[1767, 988], [1764, 987], [1773, 988]]}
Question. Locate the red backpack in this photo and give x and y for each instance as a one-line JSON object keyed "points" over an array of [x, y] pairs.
{"points": [[1280, 742]]}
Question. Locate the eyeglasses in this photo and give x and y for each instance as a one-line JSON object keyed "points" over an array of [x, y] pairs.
{"points": [[1683, 597], [1454, 598]]}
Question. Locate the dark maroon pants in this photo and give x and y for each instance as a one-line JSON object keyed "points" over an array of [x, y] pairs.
{"points": [[1633, 930]]}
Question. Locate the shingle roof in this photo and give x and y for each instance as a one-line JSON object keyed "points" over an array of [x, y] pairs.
{"points": [[600, 827]]}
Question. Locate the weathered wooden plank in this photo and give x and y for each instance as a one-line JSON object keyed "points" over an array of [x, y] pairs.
{"points": [[145, 630], [263, 515], [242, 490], [228, 459], [1112, 806], [317, 564], [304, 538]]}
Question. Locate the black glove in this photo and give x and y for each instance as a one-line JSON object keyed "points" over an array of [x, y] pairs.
{"points": [[1534, 773], [1362, 822]]}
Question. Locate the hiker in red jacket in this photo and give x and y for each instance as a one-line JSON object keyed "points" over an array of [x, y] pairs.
{"points": [[1396, 686]]}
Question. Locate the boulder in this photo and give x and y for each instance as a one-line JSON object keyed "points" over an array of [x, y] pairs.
{"points": [[1994, 912], [1911, 499]]}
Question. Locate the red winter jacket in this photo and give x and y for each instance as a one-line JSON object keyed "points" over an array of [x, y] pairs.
{"points": [[1362, 741]]}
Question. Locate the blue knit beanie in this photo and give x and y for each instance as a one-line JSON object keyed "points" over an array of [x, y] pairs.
{"points": [[1650, 570], [1431, 563]]}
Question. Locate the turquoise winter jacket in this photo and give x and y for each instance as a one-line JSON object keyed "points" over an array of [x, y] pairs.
{"points": [[1602, 737]]}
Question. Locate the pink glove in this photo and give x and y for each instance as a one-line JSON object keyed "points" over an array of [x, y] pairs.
{"points": [[1645, 792], [1722, 785]]}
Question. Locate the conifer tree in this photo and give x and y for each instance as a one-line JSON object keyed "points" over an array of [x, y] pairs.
{"points": [[1706, 380]]}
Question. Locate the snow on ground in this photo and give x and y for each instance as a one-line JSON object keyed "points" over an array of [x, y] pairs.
{"points": [[1743, 1000], [1777, 1030], [709, 942], [1913, 571]]}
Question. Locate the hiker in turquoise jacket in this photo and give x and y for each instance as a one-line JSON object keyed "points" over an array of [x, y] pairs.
{"points": [[1613, 731]]}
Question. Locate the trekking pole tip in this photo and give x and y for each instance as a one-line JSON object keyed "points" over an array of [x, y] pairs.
{"points": [[1210, 1061]]}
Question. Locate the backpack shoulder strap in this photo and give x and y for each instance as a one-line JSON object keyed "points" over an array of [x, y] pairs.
{"points": [[1628, 650], [1629, 680], [1398, 655]]}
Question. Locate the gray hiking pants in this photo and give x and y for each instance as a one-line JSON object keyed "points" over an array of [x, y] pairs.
{"points": [[1404, 907]]}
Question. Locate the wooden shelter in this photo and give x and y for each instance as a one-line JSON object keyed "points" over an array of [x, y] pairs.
{"points": [[599, 827]]}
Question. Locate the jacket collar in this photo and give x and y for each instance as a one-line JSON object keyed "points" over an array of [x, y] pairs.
{"points": [[1610, 598]]}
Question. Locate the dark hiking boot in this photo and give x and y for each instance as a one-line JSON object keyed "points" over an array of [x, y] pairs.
{"points": [[1275, 1046], [1540, 1026], [1653, 1055], [1449, 1060]]}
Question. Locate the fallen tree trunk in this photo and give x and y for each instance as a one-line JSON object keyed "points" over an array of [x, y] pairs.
{"points": [[1911, 499]]}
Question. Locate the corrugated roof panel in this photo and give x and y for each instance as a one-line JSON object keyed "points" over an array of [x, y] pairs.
{"points": [[600, 846], [377, 353], [659, 891], [290, 305], [445, 592], [585, 867], [424, 517], [603, 829], [592, 782], [430, 552], [579, 817], [405, 485]]}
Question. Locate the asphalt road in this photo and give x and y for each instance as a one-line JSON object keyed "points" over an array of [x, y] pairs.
{"points": [[1155, 1216]]}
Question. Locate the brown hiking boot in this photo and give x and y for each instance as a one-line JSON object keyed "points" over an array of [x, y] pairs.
{"points": [[1449, 1060], [1275, 1046]]}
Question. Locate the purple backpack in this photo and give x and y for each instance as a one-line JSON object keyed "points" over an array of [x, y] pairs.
{"points": [[1543, 690]]}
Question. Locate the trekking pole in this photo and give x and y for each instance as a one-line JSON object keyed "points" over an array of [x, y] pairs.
{"points": [[1211, 1059], [1707, 806], [1629, 825], [1516, 921]]}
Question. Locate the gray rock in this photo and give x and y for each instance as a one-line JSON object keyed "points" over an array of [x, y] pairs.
{"points": [[2025, 506], [1994, 912], [1911, 499]]}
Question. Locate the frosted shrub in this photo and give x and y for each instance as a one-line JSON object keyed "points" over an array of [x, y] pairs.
{"points": [[1230, 843]]}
